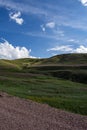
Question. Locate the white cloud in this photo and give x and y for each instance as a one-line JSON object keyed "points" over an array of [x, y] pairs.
{"points": [[73, 40], [80, 49], [63, 48], [25, 7], [69, 49], [43, 28], [43, 9], [50, 25], [8, 51], [84, 2], [37, 8], [16, 17]]}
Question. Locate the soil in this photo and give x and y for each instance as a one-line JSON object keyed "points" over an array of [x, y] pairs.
{"points": [[22, 114]]}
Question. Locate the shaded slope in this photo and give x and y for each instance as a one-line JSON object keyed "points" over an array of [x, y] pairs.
{"points": [[67, 59], [67, 66]]}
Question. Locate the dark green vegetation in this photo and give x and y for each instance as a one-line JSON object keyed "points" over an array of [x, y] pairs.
{"points": [[48, 80]]}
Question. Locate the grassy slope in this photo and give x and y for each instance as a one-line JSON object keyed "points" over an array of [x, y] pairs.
{"points": [[55, 92], [69, 59], [64, 59], [16, 79], [67, 66]]}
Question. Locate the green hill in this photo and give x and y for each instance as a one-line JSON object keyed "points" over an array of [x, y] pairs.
{"points": [[69, 59], [66, 66], [60, 81], [64, 59]]}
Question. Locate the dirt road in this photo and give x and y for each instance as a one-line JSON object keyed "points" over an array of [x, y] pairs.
{"points": [[21, 114]]}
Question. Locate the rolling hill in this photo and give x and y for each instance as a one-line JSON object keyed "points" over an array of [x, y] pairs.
{"points": [[60, 81], [63, 59], [66, 66]]}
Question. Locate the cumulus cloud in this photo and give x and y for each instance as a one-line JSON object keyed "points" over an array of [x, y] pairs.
{"points": [[8, 51], [84, 2], [80, 49], [69, 49], [16, 17], [50, 25]]}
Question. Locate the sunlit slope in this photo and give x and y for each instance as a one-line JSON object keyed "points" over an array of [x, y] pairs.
{"points": [[64, 59], [7, 64]]}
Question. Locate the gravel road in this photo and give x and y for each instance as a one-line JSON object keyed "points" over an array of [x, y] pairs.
{"points": [[21, 114]]}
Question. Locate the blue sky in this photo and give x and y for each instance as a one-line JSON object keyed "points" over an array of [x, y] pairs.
{"points": [[42, 28]]}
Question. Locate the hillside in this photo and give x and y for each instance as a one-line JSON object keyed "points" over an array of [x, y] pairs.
{"points": [[60, 81], [64, 59], [66, 66], [69, 59]]}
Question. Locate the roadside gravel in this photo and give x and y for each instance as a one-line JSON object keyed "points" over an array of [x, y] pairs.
{"points": [[22, 114]]}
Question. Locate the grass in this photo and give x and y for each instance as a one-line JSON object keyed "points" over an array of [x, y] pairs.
{"points": [[48, 80], [57, 93]]}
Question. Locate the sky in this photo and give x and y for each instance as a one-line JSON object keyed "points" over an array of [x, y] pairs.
{"points": [[42, 28]]}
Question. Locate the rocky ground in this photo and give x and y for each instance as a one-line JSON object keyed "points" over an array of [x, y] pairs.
{"points": [[21, 114]]}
